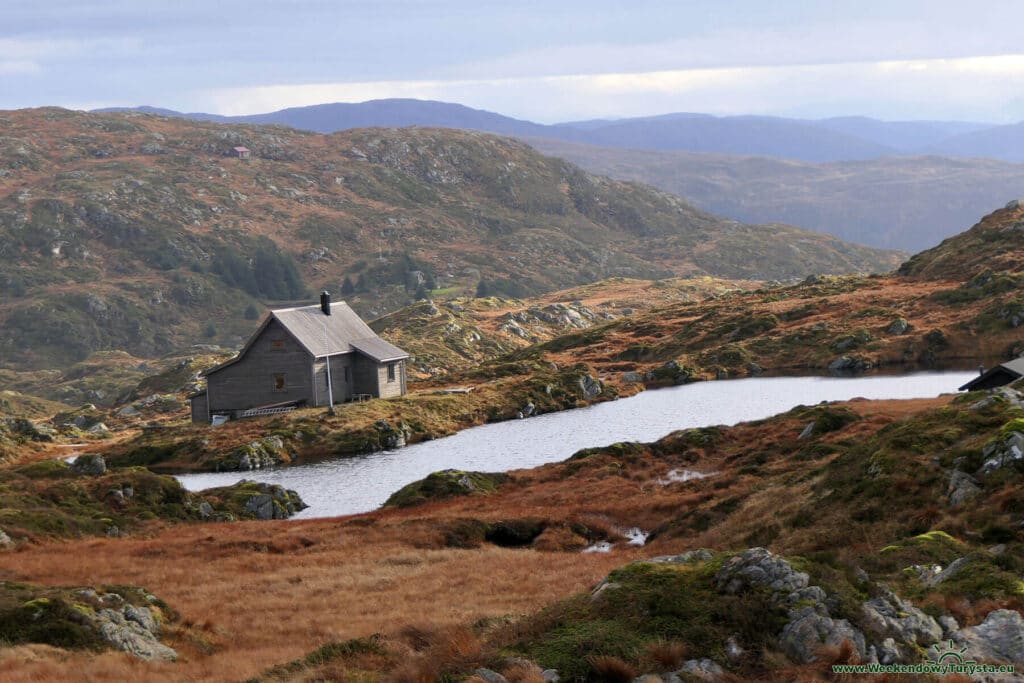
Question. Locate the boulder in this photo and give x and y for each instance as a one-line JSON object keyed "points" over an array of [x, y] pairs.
{"points": [[632, 377], [888, 615], [962, 488], [954, 568], [949, 626], [1000, 638], [261, 506], [132, 630], [701, 669], [490, 676], [590, 387], [258, 454], [809, 630], [1003, 453], [759, 567], [898, 327], [89, 465], [272, 502], [391, 438], [26, 429]]}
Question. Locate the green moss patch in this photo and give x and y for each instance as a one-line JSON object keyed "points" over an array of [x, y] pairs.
{"points": [[643, 604]]}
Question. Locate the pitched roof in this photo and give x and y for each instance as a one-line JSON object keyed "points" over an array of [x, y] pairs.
{"points": [[1015, 365], [321, 334], [378, 349], [343, 331], [1012, 367]]}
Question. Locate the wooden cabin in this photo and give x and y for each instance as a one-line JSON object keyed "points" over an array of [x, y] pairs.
{"points": [[288, 359], [242, 152], [1000, 375]]}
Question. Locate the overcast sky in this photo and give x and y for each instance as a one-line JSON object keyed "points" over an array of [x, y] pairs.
{"points": [[545, 61]]}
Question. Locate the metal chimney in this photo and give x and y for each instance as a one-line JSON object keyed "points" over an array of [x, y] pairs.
{"points": [[325, 302]]}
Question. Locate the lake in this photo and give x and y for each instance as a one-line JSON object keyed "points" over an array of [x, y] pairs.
{"points": [[362, 483]]}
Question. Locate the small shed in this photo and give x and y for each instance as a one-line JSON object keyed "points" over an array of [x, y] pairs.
{"points": [[1000, 375], [242, 152]]}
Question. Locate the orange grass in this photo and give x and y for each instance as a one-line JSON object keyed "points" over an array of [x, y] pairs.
{"points": [[258, 608]]}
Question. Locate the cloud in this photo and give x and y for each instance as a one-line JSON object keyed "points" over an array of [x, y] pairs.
{"points": [[981, 88], [19, 67]]}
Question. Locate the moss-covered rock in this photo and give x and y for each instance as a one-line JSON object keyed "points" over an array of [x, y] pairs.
{"points": [[106, 617], [446, 484], [48, 499], [255, 500]]}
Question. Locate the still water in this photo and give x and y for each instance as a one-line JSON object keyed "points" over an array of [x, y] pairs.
{"points": [[363, 483]]}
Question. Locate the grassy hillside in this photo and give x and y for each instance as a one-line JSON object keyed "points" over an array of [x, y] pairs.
{"points": [[143, 233], [862, 507], [908, 203], [993, 244]]}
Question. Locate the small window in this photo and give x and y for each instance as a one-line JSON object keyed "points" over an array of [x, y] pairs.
{"points": [[348, 374], [278, 382], [391, 372], [277, 344]]}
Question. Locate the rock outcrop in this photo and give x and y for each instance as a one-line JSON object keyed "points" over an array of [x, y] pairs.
{"points": [[255, 455], [89, 465], [273, 502], [133, 630], [1000, 638]]}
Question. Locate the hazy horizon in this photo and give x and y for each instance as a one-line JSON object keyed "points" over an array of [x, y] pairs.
{"points": [[543, 62]]}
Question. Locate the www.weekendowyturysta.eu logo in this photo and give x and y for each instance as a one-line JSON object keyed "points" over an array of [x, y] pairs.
{"points": [[944, 658]]}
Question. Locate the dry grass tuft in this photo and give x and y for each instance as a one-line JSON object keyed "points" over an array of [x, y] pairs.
{"points": [[665, 655], [522, 671], [610, 669]]}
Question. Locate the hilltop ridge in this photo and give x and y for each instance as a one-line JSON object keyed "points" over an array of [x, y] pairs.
{"points": [[143, 233]]}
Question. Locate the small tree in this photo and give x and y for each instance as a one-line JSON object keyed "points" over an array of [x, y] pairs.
{"points": [[347, 288], [483, 289], [421, 292], [210, 330], [251, 312]]}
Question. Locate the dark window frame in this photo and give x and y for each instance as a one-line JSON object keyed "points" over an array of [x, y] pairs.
{"points": [[392, 372], [279, 382]]}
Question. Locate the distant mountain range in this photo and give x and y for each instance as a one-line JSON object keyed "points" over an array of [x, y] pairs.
{"points": [[908, 203], [835, 139]]}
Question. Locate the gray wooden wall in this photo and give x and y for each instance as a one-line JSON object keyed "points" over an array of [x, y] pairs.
{"points": [[251, 381]]}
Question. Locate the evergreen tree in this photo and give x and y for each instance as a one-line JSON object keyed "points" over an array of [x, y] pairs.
{"points": [[251, 312], [421, 293], [483, 289], [347, 288]]}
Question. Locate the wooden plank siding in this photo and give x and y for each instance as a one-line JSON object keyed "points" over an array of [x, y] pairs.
{"points": [[274, 357], [200, 414], [341, 379], [365, 376]]}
